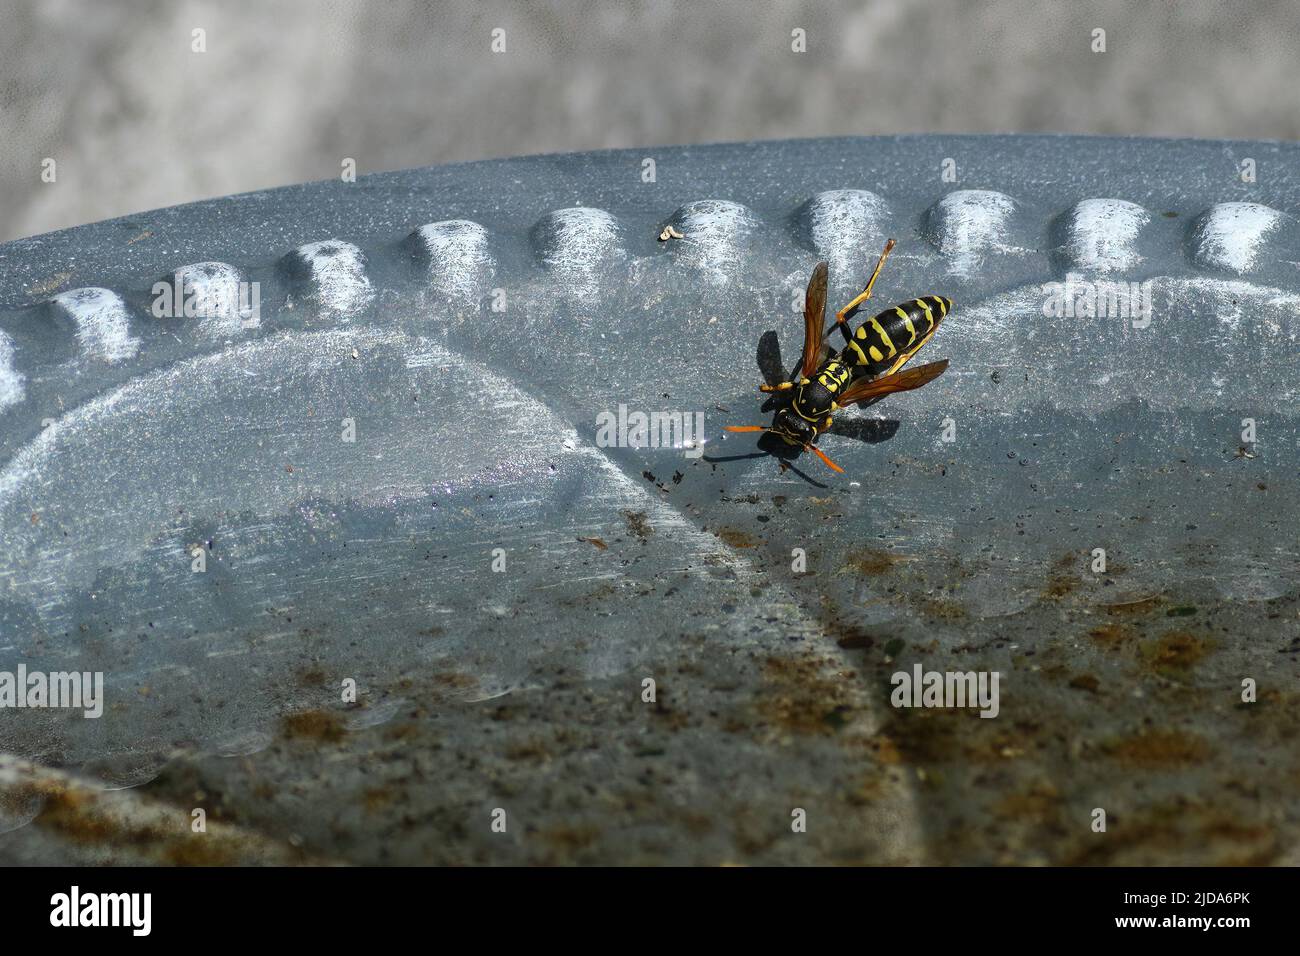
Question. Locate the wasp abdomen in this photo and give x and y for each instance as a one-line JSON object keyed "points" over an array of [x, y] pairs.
{"points": [[882, 338]]}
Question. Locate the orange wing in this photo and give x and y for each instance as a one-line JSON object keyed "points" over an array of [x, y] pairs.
{"points": [[898, 382], [814, 317]]}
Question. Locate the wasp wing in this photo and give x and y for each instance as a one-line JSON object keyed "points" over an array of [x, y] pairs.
{"points": [[814, 317], [910, 353], [900, 382]]}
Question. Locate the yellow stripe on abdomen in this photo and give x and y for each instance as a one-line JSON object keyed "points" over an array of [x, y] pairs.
{"points": [[883, 336], [925, 307]]}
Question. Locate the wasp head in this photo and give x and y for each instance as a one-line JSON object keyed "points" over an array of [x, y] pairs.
{"points": [[793, 429]]}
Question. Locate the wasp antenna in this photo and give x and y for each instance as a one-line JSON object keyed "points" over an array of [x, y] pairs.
{"points": [[745, 428], [822, 455]]}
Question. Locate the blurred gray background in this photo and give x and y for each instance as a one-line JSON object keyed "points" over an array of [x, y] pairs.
{"points": [[135, 119]]}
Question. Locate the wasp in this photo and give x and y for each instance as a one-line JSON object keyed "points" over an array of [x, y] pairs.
{"points": [[867, 368]]}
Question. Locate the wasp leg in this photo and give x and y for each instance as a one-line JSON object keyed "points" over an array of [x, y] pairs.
{"points": [[842, 324], [783, 386], [841, 317]]}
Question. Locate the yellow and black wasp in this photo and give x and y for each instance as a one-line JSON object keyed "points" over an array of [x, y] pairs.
{"points": [[867, 368]]}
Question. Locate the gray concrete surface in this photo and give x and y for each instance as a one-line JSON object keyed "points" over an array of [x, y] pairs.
{"points": [[286, 91], [128, 441]]}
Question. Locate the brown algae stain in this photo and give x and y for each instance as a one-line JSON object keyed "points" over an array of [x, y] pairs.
{"points": [[1157, 749], [852, 638], [637, 523], [1111, 637], [456, 679], [48, 285], [321, 725], [1040, 802], [571, 837], [802, 697], [1086, 682], [937, 609], [194, 850], [1059, 586], [735, 538], [79, 818], [872, 561], [1176, 652], [1064, 579], [313, 676]]}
